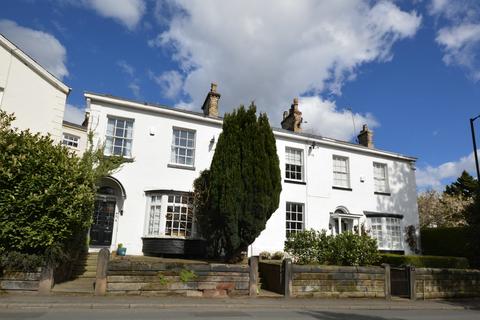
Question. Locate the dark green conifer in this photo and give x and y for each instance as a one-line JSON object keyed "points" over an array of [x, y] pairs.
{"points": [[239, 193]]}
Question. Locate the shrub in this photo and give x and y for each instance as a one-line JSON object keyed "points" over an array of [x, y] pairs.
{"points": [[425, 261], [350, 249], [265, 255], [279, 255], [47, 195], [311, 247], [446, 241], [304, 246], [16, 261]]}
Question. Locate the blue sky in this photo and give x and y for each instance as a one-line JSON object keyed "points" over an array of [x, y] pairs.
{"points": [[410, 69]]}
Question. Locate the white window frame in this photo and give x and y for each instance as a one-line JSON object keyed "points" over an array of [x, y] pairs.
{"points": [[336, 171], [289, 161], [389, 235], [159, 207], [289, 219], [111, 138], [385, 188], [70, 140], [174, 156]]}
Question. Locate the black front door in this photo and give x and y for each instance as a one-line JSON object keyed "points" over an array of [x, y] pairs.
{"points": [[102, 227]]}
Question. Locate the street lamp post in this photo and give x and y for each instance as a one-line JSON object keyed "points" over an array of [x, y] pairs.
{"points": [[475, 145]]}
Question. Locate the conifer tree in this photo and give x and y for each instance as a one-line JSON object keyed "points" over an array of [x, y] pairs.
{"points": [[465, 185], [236, 197]]}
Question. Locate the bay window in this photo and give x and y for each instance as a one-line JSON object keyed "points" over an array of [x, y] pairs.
{"points": [[388, 232], [170, 215]]}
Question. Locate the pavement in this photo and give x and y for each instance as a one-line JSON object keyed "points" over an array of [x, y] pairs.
{"points": [[23, 301]]}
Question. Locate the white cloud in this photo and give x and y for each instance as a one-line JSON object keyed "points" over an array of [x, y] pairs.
{"points": [[127, 12], [41, 46], [434, 177], [74, 114], [135, 88], [272, 51], [324, 118], [126, 68], [461, 45], [170, 82], [129, 70], [459, 37]]}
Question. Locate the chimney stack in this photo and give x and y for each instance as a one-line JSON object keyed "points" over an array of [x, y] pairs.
{"points": [[210, 106], [365, 138], [292, 119]]}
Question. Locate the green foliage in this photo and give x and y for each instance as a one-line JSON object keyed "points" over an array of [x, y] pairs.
{"points": [[236, 197], [348, 249], [460, 242], [265, 255], [46, 194], [15, 261], [445, 241], [425, 261], [162, 279], [278, 255], [465, 185], [411, 238], [187, 275]]}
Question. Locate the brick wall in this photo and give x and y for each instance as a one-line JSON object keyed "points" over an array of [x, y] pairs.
{"points": [[207, 280], [446, 283], [341, 282]]}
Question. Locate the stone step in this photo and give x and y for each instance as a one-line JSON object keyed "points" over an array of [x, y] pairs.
{"points": [[78, 268], [75, 285], [88, 274]]}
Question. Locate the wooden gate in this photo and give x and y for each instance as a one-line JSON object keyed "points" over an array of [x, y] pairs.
{"points": [[400, 281]]}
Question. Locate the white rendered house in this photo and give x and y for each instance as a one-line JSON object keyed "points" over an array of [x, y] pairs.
{"points": [[74, 136], [35, 96], [326, 184]]}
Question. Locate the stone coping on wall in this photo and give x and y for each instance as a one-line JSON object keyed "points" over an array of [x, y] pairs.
{"points": [[16, 281]]}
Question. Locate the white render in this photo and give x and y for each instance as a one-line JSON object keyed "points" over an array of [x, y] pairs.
{"points": [[74, 130], [150, 170], [29, 91]]}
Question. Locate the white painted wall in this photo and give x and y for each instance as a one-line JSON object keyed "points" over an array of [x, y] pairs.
{"points": [[149, 171], [78, 132], [30, 93]]}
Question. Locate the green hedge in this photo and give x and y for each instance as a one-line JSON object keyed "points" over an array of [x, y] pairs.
{"points": [[446, 241], [425, 261]]}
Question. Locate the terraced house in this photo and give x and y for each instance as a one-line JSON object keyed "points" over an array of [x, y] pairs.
{"points": [[326, 183]]}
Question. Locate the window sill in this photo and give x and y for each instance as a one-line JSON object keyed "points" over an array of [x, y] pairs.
{"points": [[179, 166], [382, 193], [341, 188], [294, 181]]}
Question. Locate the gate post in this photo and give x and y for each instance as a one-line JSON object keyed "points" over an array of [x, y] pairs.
{"points": [[101, 277], [388, 281], [46, 280], [253, 282], [287, 277], [411, 282]]}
